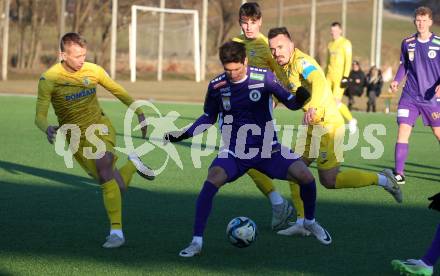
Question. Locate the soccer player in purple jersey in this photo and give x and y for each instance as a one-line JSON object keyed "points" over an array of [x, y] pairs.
{"points": [[242, 99], [425, 265], [420, 63]]}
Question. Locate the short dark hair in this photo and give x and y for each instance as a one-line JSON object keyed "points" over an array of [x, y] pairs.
{"points": [[423, 11], [232, 51], [278, 31], [336, 23], [72, 38], [250, 9]]}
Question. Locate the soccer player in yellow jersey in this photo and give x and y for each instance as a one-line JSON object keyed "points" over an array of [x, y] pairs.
{"points": [[339, 55], [71, 88], [259, 55], [320, 113]]}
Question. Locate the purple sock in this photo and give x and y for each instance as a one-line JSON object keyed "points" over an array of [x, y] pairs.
{"points": [[308, 196], [203, 207], [400, 155], [433, 253]]}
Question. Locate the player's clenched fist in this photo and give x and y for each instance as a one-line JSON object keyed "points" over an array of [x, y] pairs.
{"points": [[51, 133]]}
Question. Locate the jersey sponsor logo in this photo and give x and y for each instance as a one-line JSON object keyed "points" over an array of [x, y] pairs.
{"points": [[434, 48], [257, 85], [410, 39], [255, 95], [403, 113], [412, 45], [258, 69], [435, 115], [81, 94], [436, 41], [432, 54], [256, 76], [225, 90], [219, 84], [252, 53]]}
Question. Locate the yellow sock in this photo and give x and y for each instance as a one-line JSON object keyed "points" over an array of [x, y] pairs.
{"points": [[345, 112], [263, 182], [112, 203], [296, 199], [127, 172], [355, 179]]}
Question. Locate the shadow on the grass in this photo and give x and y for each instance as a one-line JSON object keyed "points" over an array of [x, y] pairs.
{"points": [[70, 223]]}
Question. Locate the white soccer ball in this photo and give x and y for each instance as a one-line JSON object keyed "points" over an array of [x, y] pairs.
{"points": [[241, 231]]}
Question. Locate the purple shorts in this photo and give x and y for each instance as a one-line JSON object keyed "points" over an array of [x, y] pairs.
{"points": [[409, 110], [274, 167]]}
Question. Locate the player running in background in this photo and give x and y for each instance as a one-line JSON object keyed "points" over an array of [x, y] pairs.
{"points": [[71, 88], [241, 97], [303, 71], [425, 265], [259, 55], [338, 69], [420, 63]]}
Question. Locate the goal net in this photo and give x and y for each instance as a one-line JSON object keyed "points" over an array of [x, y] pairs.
{"points": [[164, 40]]}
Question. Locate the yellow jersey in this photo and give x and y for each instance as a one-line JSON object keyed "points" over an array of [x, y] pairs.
{"points": [[339, 55], [73, 95], [303, 70], [259, 54]]}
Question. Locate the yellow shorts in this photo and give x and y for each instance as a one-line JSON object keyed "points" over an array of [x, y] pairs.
{"points": [[109, 139], [318, 143], [335, 85]]}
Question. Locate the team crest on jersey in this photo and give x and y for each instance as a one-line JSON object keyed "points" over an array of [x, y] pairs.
{"points": [[432, 54], [86, 81], [255, 95], [411, 55], [226, 101]]}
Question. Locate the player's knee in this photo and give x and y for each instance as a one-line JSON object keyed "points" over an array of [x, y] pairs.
{"points": [[104, 168], [327, 181], [217, 176], [305, 176]]}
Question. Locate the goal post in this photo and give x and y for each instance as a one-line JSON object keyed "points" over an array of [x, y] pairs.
{"points": [[133, 36]]}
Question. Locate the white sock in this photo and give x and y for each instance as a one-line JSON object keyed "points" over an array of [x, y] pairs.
{"points": [[275, 198], [300, 221], [197, 239], [117, 232], [383, 180], [309, 221]]}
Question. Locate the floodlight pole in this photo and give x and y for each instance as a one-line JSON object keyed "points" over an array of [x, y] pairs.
{"points": [[160, 43], [204, 39], [133, 42], [373, 34], [113, 39], [312, 28], [62, 18], [379, 33], [5, 42], [280, 12], [344, 17]]}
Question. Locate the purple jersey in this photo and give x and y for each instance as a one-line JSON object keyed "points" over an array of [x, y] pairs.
{"points": [[245, 105], [420, 61]]}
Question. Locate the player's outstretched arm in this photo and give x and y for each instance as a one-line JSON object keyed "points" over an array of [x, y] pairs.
{"points": [[200, 125]]}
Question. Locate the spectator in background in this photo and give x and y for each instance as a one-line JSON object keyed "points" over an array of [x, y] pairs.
{"points": [[374, 86], [356, 83]]}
